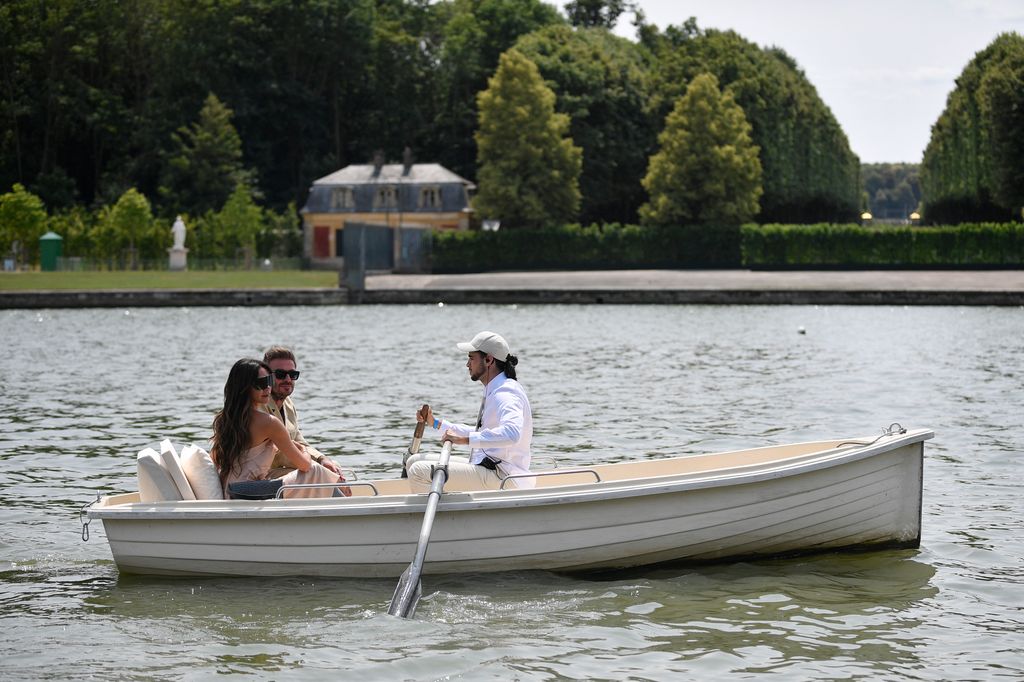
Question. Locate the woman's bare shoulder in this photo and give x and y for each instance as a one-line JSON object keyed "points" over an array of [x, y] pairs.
{"points": [[262, 421]]}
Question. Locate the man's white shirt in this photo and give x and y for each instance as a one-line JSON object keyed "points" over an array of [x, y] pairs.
{"points": [[506, 430]]}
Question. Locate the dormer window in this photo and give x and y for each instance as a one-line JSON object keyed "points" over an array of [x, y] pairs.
{"points": [[386, 197], [430, 197], [342, 198]]}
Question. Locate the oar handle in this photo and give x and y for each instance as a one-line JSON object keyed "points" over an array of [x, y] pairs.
{"points": [[417, 435]]}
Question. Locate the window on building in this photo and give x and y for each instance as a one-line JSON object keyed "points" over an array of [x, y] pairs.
{"points": [[386, 197], [430, 197], [342, 198]]}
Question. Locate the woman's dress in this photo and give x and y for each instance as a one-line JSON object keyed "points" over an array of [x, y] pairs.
{"points": [[255, 463]]}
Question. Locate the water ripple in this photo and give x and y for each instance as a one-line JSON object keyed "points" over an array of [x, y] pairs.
{"points": [[607, 383]]}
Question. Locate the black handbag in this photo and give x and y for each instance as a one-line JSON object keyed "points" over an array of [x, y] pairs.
{"points": [[254, 490]]}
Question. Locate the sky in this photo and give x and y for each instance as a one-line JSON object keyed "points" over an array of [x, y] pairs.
{"points": [[884, 67]]}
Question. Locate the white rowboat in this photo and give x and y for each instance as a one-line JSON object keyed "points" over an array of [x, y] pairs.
{"points": [[780, 500]]}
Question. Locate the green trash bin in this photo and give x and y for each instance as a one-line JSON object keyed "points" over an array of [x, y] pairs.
{"points": [[51, 245]]}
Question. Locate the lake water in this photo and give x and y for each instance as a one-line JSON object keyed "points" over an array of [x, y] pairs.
{"points": [[84, 390]]}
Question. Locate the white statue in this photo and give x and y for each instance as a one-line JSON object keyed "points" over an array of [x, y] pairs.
{"points": [[178, 229]]}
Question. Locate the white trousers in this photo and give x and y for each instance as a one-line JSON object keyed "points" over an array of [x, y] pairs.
{"points": [[461, 474]]}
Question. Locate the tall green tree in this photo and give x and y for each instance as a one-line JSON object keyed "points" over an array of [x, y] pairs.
{"points": [[599, 80], [707, 171], [972, 168], [810, 173], [208, 164], [528, 168], [475, 35], [22, 222]]}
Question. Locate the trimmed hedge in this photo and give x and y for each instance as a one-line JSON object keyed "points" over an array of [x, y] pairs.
{"points": [[979, 244], [614, 246], [598, 247]]}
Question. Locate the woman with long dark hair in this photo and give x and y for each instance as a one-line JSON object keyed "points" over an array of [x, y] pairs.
{"points": [[245, 438]]}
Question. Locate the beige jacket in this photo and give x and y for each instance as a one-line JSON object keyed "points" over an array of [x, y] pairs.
{"points": [[291, 422]]}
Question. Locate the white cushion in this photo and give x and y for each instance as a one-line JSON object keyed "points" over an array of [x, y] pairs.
{"points": [[201, 473], [169, 455], [155, 484]]}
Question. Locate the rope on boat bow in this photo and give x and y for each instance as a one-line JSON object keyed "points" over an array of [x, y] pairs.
{"points": [[84, 519], [894, 429]]}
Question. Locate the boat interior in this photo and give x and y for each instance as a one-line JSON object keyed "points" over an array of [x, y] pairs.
{"points": [[546, 473]]}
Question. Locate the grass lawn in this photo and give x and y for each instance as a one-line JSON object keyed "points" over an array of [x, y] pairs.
{"points": [[156, 279]]}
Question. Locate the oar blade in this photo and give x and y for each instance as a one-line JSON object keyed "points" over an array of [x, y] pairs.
{"points": [[407, 595]]}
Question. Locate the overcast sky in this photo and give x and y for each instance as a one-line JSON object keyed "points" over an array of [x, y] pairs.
{"points": [[884, 67]]}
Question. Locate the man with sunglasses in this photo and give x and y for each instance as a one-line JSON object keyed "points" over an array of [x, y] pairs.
{"points": [[282, 364]]}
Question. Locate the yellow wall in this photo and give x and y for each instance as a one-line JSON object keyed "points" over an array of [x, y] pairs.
{"points": [[458, 220]]}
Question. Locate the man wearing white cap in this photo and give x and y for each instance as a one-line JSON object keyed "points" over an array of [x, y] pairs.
{"points": [[500, 441]]}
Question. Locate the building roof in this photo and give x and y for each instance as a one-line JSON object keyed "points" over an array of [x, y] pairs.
{"points": [[419, 173]]}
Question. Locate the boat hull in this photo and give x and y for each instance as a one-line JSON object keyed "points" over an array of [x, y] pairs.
{"points": [[867, 497]]}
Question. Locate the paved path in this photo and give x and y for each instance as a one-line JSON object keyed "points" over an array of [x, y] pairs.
{"points": [[713, 280], [718, 287]]}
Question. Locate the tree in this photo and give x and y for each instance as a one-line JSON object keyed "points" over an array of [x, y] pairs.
{"points": [[809, 172], [238, 224], [474, 37], [893, 190], [599, 80], [971, 169], [129, 222], [596, 13], [208, 164], [707, 171], [528, 169], [22, 221], [1001, 103]]}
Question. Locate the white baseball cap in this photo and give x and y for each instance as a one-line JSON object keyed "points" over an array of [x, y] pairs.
{"points": [[487, 342]]}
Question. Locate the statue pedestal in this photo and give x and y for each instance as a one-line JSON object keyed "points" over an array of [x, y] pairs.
{"points": [[177, 259]]}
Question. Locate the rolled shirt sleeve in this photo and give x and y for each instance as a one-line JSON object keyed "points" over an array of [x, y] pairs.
{"points": [[506, 432]]}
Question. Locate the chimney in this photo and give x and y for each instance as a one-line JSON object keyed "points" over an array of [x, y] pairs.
{"points": [[406, 161]]}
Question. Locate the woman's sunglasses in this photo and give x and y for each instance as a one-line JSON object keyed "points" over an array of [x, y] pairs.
{"points": [[280, 374], [263, 382]]}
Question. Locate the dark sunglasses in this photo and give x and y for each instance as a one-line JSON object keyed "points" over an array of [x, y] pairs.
{"points": [[263, 382], [280, 374]]}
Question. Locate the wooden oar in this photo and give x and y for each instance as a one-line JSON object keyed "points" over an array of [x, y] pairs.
{"points": [[409, 588], [417, 437]]}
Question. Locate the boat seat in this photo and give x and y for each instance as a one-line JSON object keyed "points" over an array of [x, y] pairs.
{"points": [[201, 473], [155, 482], [169, 455], [166, 477]]}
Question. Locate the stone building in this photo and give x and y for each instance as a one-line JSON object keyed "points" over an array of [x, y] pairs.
{"points": [[406, 195]]}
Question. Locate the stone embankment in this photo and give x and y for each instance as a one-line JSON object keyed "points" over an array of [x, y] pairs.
{"points": [[747, 287]]}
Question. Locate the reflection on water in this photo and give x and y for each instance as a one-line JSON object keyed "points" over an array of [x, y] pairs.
{"points": [[89, 388]]}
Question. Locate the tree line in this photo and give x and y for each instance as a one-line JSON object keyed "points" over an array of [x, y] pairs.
{"points": [[973, 167], [95, 95], [192, 104]]}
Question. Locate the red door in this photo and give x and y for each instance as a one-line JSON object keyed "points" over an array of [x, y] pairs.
{"points": [[321, 241]]}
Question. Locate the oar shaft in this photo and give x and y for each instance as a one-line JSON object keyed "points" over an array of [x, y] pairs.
{"points": [[433, 498], [407, 593]]}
